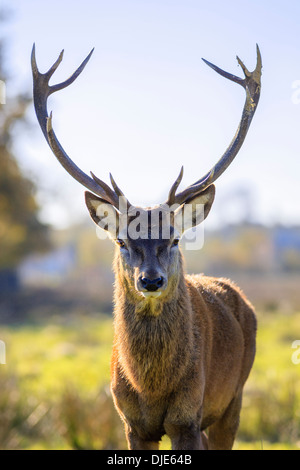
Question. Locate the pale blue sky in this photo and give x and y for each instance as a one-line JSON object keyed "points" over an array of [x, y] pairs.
{"points": [[146, 103]]}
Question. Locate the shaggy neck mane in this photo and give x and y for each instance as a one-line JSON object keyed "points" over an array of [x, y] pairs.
{"points": [[155, 341]]}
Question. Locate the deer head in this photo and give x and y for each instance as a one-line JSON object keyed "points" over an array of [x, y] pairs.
{"points": [[149, 256]]}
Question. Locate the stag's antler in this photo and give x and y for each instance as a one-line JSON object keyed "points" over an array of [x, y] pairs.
{"points": [[252, 85], [41, 91]]}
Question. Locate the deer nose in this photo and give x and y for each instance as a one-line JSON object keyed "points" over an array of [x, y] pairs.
{"points": [[152, 285]]}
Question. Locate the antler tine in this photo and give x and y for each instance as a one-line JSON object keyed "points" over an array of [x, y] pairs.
{"points": [[41, 91], [122, 199], [117, 192], [74, 75], [171, 197], [252, 84], [115, 186], [228, 75]]}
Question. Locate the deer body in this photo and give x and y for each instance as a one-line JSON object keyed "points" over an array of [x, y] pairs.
{"points": [[178, 372], [184, 345]]}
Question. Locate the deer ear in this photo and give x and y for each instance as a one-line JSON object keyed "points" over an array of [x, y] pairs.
{"points": [[103, 213], [195, 210]]}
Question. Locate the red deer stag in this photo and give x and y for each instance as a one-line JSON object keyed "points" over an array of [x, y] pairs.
{"points": [[184, 345]]}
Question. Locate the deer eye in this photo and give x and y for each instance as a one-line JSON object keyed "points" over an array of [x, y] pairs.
{"points": [[175, 242], [120, 242]]}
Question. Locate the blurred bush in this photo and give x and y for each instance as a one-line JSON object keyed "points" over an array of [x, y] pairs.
{"points": [[90, 422], [22, 418], [56, 395], [21, 232], [72, 422]]}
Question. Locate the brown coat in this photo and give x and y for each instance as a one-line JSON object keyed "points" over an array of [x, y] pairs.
{"points": [[183, 370], [184, 346]]}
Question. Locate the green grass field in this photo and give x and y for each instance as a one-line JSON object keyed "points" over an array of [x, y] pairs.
{"points": [[55, 386]]}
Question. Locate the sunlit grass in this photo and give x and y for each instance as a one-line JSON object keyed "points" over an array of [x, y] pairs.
{"points": [[47, 357], [55, 394]]}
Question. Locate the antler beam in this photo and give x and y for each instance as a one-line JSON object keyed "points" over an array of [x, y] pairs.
{"points": [[41, 91], [252, 85]]}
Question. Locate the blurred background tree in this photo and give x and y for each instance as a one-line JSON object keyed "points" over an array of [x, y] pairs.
{"points": [[21, 232]]}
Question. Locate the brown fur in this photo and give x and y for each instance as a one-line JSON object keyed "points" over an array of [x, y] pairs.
{"points": [[182, 351], [182, 371], [184, 346]]}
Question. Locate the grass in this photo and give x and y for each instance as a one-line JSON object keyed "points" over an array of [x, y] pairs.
{"points": [[271, 407], [55, 393], [46, 357]]}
